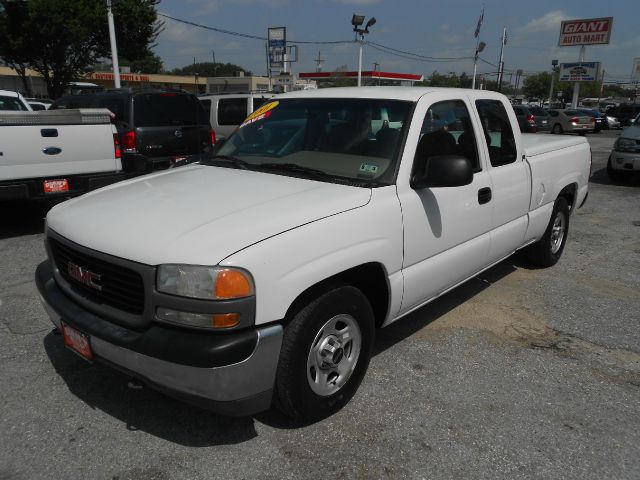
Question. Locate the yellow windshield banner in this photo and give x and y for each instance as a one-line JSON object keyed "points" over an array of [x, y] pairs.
{"points": [[263, 112]]}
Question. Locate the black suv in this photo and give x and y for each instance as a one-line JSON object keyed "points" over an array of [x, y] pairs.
{"points": [[157, 128], [625, 112]]}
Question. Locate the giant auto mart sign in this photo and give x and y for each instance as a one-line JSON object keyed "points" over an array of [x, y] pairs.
{"points": [[592, 31]]}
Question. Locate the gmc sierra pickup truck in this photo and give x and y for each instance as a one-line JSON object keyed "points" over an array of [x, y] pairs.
{"points": [[57, 154], [259, 276]]}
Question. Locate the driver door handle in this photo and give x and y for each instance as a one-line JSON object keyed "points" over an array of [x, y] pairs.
{"points": [[484, 195]]}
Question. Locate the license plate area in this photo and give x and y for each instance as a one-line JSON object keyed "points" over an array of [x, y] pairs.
{"points": [[55, 185], [77, 342]]}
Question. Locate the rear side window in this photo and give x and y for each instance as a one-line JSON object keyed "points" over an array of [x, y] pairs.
{"points": [[11, 103], [167, 109], [232, 111], [498, 132], [258, 102], [117, 106], [206, 104]]}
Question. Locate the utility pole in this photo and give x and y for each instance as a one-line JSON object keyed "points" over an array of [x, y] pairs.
{"points": [[600, 90], [479, 48], [319, 61], [114, 47], [554, 63], [503, 42]]}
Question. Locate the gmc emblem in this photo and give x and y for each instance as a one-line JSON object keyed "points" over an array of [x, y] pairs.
{"points": [[84, 276]]}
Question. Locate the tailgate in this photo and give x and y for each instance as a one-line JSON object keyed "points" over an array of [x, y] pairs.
{"points": [[172, 141], [49, 148]]}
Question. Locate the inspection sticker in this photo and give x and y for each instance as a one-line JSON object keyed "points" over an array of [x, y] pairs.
{"points": [[263, 112], [366, 168]]}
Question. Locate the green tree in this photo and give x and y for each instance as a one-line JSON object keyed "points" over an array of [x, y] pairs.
{"points": [[210, 69], [537, 86], [65, 38], [152, 63]]}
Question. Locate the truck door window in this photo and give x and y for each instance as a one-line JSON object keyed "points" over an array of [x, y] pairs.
{"points": [[498, 132], [447, 130], [232, 111]]}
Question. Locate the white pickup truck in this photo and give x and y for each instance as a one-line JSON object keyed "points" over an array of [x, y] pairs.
{"points": [[259, 276], [57, 153]]}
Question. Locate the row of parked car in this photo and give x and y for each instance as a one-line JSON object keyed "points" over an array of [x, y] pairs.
{"points": [[571, 120]]}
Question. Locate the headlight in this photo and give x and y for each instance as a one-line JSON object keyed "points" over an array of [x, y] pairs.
{"points": [[625, 145], [211, 283]]}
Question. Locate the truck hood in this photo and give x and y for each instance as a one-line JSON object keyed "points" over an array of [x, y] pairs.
{"points": [[197, 214]]}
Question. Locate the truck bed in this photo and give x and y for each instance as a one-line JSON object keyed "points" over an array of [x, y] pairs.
{"points": [[536, 144]]}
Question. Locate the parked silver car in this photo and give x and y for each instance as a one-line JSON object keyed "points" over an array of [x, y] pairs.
{"points": [[571, 121]]}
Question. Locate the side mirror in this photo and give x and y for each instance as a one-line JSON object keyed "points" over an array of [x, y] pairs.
{"points": [[442, 171]]}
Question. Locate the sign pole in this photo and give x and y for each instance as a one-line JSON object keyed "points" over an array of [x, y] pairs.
{"points": [[576, 85]]}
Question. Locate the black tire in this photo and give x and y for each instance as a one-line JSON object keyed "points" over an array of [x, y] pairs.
{"points": [[547, 251], [557, 129], [294, 395], [616, 176]]}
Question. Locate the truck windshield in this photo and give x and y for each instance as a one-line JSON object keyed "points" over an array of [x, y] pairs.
{"points": [[344, 140]]}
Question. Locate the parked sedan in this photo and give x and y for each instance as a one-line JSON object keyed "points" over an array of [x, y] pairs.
{"points": [[541, 117], [597, 116], [571, 121], [526, 120]]}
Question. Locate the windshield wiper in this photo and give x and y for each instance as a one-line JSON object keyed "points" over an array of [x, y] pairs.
{"points": [[222, 160], [295, 168]]}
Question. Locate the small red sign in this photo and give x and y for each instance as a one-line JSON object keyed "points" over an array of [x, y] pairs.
{"points": [[55, 186], [76, 341]]}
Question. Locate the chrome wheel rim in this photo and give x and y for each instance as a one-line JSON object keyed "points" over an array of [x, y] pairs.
{"points": [[334, 354], [557, 232]]}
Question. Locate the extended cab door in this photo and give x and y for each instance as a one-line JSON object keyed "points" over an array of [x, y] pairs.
{"points": [[510, 176], [446, 229]]}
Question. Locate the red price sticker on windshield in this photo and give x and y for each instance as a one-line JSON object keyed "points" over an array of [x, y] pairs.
{"points": [[263, 112]]}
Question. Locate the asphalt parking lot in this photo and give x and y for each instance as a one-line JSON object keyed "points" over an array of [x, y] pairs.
{"points": [[520, 373]]}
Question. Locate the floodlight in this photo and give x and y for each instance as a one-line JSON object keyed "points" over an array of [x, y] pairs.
{"points": [[554, 63], [481, 46], [357, 19], [370, 23]]}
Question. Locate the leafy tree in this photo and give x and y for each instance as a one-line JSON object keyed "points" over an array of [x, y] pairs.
{"points": [[537, 85], [63, 39], [152, 63], [210, 69]]}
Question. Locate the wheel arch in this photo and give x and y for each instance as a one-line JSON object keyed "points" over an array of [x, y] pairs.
{"points": [[569, 193], [370, 278]]}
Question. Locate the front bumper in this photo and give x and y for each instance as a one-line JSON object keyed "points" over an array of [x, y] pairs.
{"points": [[625, 161], [230, 373]]}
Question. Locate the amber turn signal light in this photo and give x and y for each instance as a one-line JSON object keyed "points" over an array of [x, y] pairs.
{"points": [[232, 284], [225, 320]]}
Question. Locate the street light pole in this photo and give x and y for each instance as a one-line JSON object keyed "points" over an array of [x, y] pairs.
{"points": [[479, 48], [357, 20], [114, 47]]}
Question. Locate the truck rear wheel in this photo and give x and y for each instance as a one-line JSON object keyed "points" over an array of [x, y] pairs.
{"points": [[325, 353], [547, 251]]}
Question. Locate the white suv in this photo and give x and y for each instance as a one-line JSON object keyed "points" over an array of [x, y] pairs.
{"points": [[228, 110]]}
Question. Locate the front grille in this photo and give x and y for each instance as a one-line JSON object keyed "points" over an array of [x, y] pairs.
{"points": [[122, 288]]}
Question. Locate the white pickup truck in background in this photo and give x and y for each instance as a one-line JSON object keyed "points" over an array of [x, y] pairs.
{"points": [[57, 153], [260, 275]]}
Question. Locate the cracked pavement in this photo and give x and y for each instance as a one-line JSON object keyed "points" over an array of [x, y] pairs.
{"points": [[519, 373]]}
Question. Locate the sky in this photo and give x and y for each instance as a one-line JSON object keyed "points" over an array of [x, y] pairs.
{"points": [[442, 29]]}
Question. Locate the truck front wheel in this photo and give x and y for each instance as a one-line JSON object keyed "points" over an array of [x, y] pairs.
{"points": [[325, 353], [547, 251]]}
